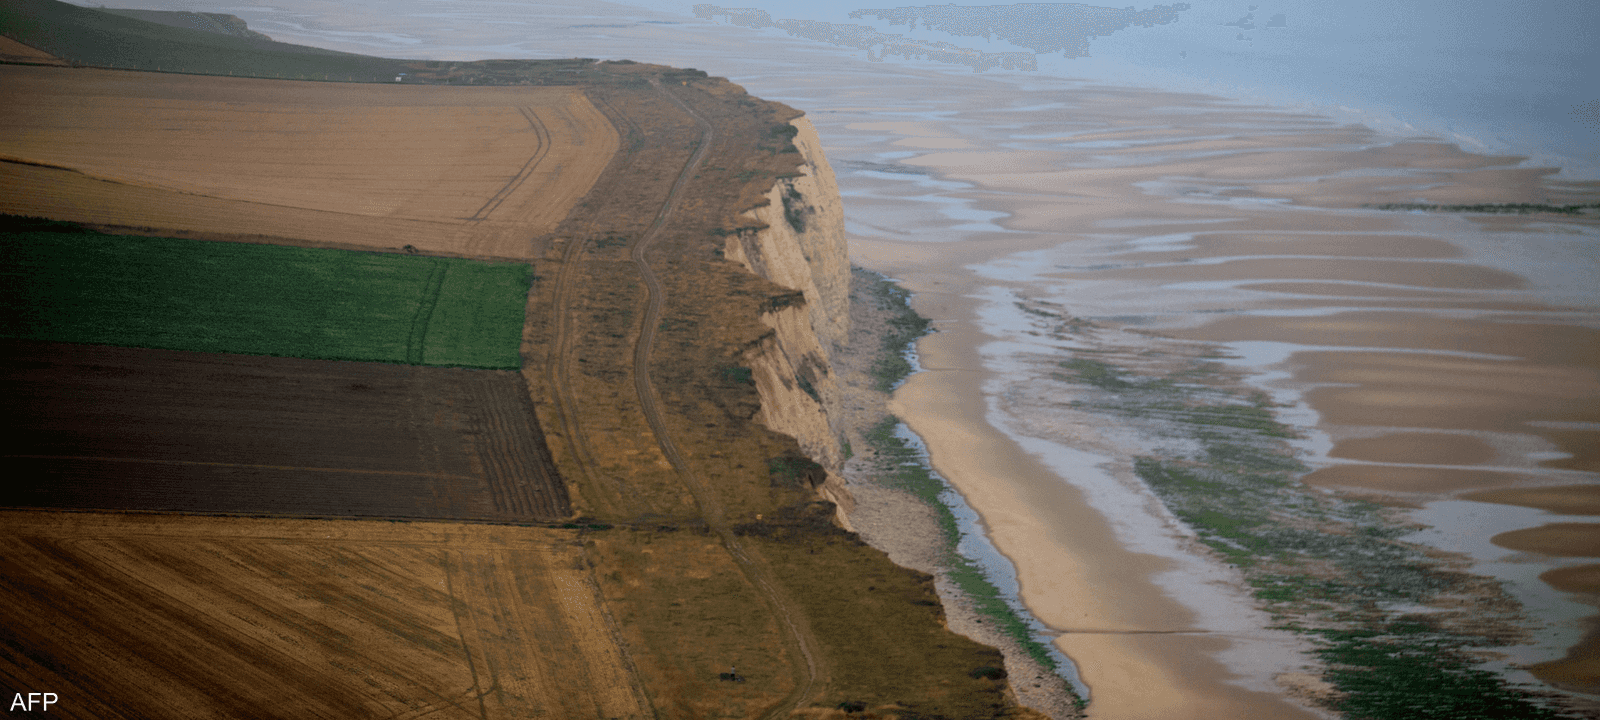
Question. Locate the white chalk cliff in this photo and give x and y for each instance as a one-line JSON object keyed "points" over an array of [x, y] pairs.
{"points": [[802, 247]]}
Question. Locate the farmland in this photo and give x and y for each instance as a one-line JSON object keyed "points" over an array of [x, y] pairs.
{"points": [[478, 172], [264, 534], [85, 287], [142, 616], [97, 427]]}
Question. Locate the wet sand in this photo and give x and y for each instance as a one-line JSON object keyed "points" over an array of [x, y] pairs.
{"points": [[1141, 651], [1427, 355], [1463, 369]]}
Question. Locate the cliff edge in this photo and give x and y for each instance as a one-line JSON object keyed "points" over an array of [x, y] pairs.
{"points": [[799, 244]]}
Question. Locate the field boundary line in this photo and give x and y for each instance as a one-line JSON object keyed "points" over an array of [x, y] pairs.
{"points": [[614, 631], [800, 640], [210, 535]]}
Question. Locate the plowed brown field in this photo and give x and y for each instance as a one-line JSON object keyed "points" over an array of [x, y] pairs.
{"points": [[97, 427], [474, 171], [127, 616]]}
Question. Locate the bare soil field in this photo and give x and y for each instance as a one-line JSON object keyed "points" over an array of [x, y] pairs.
{"points": [[130, 616], [99, 427], [466, 171]]}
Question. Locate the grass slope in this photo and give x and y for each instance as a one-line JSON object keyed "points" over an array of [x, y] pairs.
{"points": [[79, 286], [91, 37], [206, 22]]}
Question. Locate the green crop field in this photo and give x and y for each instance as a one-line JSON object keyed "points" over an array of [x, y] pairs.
{"points": [[83, 287]]}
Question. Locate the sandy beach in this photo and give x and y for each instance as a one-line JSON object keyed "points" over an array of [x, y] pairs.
{"points": [[1139, 649], [1424, 366]]}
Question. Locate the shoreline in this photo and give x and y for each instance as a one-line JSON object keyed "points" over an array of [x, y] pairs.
{"points": [[1136, 648], [1157, 640], [905, 527], [1009, 252]]}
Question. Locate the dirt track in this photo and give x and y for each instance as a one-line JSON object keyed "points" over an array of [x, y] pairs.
{"points": [[160, 616], [467, 171], [798, 632], [634, 351], [96, 427]]}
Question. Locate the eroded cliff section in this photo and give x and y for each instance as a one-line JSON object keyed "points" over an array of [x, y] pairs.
{"points": [[799, 243]]}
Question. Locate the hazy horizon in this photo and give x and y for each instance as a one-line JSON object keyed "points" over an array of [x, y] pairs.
{"points": [[1477, 73]]}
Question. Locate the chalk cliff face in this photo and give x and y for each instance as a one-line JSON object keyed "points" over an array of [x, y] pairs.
{"points": [[802, 248]]}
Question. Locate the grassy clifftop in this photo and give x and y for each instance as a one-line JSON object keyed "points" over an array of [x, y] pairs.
{"points": [[102, 39]]}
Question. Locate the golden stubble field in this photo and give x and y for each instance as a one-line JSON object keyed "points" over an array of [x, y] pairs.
{"points": [[476, 171], [129, 615]]}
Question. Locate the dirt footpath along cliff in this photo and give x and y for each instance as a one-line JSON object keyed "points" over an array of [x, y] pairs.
{"points": [[723, 552]]}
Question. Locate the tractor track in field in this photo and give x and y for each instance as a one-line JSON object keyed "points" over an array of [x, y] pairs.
{"points": [[417, 340], [560, 367], [542, 134]]}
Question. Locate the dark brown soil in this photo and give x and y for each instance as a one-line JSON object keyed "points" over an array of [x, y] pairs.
{"points": [[97, 427]]}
